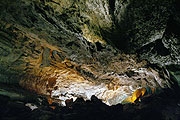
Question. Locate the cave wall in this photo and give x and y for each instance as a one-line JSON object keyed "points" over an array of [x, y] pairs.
{"points": [[165, 51], [51, 44], [141, 22], [149, 28], [65, 24]]}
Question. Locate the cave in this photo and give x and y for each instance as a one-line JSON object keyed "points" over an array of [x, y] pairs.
{"points": [[89, 60]]}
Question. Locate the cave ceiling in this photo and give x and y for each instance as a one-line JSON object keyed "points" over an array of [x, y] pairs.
{"points": [[116, 50]]}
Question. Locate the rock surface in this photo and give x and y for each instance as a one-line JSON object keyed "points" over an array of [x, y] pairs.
{"points": [[162, 107], [64, 49], [165, 51], [149, 28], [141, 22]]}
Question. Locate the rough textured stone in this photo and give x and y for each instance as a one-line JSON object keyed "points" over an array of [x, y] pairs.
{"points": [[140, 22], [50, 46], [149, 28], [165, 51], [162, 107]]}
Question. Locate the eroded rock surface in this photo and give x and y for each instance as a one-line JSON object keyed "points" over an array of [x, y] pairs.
{"points": [[57, 48], [163, 106], [149, 28], [165, 51]]}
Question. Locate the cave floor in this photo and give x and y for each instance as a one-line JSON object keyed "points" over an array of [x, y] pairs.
{"points": [[19, 104]]}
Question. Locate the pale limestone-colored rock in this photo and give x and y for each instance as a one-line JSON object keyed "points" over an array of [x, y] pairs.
{"points": [[123, 87], [31, 106]]}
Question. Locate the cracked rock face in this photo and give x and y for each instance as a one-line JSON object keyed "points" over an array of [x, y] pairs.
{"points": [[59, 48]]}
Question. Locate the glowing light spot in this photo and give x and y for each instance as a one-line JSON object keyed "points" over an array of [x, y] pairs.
{"points": [[136, 95]]}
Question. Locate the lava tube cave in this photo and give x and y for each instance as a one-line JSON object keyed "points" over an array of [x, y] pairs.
{"points": [[89, 60]]}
